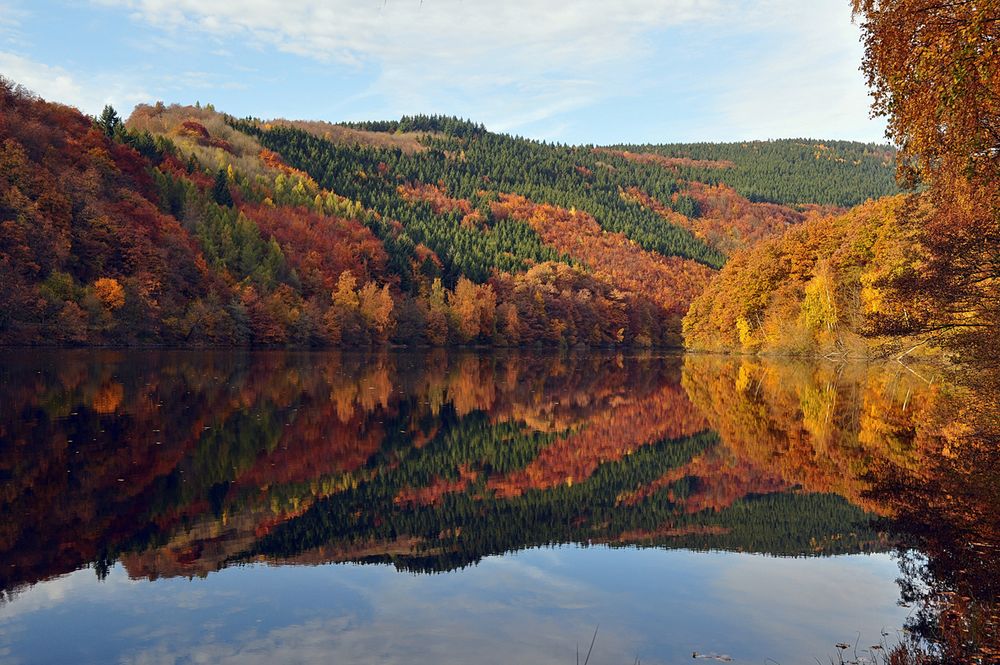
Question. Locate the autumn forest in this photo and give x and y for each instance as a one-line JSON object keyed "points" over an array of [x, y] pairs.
{"points": [[185, 226]]}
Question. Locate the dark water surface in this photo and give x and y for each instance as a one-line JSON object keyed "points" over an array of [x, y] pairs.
{"points": [[272, 507]]}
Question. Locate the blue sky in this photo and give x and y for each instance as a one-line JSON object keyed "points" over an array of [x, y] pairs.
{"points": [[576, 71]]}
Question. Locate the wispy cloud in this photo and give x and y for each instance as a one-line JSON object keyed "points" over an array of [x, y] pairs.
{"points": [[804, 80], [123, 89], [582, 71], [11, 16], [515, 62], [88, 93], [528, 63]]}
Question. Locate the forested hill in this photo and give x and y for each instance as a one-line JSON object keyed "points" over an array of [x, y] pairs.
{"points": [[187, 226], [787, 171]]}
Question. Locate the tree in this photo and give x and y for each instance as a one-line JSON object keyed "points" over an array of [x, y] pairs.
{"points": [[934, 70], [110, 292], [109, 122], [220, 190], [344, 322], [376, 307], [464, 309], [437, 315], [346, 296]]}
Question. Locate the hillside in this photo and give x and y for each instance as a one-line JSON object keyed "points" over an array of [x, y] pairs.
{"points": [[789, 171], [184, 226], [825, 287]]}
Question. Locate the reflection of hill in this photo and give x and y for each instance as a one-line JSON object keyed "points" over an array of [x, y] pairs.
{"points": [[609, 435], [820, 427], [179, 463], [461, 528], [946, 509], [924, 454]]}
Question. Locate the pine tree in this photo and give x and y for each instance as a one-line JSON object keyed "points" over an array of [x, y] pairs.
{"points": [[220, 191], [109, 122]]}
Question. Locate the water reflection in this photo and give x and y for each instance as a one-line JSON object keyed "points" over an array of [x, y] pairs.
{"points": [[918, 446], [945, 514], [160, 465], [182, 463]]}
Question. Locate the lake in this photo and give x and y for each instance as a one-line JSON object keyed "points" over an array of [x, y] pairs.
{"points": [[455, 507]]}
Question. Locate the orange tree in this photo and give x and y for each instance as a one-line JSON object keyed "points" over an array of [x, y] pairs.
{"points": [[934, 70]]}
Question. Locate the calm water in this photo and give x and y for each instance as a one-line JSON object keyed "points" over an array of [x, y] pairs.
{"points": [[181, 507]]}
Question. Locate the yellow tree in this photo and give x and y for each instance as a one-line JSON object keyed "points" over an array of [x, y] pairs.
{"points": [[464, 309], [346, 295], [110, 292], [487, 305], [343, 321], [376, 305]]}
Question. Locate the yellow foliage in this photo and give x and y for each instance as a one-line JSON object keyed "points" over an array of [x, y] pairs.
{"points": [[464, 309], [817, 289], [110, 293], [345, 295], [375, 305], [819, 309], [108, 398], [743, 331]]}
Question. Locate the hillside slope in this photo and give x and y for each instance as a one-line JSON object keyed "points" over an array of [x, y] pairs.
{"points": [[824, 287], [184, 226]]}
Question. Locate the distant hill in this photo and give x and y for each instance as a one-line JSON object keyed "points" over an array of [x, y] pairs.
{"points": [[787, 171], [186, 226]]}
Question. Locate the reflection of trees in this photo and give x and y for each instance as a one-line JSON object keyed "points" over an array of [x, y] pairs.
{"points": [[923, 453], [366, 523], [179, 462], [948, 510], [818, 426]]}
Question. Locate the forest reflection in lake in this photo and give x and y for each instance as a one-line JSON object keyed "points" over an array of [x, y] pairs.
{"points": [[673, 473]]}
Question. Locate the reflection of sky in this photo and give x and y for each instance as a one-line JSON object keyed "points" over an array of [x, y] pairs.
{"points": [[529, 607]]}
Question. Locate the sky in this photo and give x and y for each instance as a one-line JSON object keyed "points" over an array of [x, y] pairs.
{"points": [[571, 71]]}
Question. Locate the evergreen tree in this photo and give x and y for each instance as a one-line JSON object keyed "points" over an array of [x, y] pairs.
{"points": [[220, 191], [110, 122]]}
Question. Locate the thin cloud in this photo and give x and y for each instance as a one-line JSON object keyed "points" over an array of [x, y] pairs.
{"points": [[806, 82], [88, 94], [524, 63], [533, 59], [586, 71]]}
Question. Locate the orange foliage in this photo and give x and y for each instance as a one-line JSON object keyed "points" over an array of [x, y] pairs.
{"points": [[109, 292], [66, 186], [815, 289], [108, 398], [321, 247], [822, 428], [440, 202], [726, 220], [273, 160], [610, 434], [670, 283], [667, 162], [435, 195], [436, 490], [200, 134], [722, 480]]}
